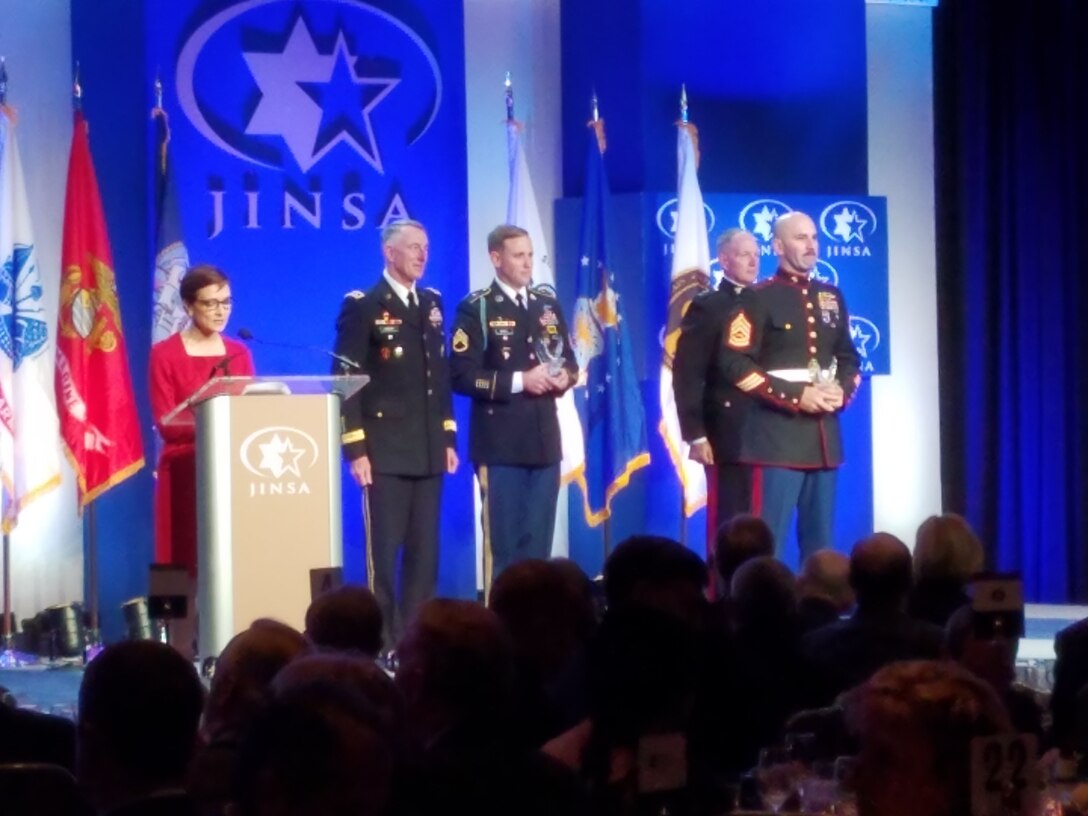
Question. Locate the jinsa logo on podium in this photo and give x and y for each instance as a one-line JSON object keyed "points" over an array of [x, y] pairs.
{"points": [[280, 457]]}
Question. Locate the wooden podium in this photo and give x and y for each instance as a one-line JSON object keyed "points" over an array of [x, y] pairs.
{"points": [[268, 496]]}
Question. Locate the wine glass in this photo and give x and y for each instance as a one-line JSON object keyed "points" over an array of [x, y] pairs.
{"points": [[776, 776], [846, 803]]}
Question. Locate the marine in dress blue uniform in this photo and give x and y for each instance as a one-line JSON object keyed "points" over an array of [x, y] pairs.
{"points": [[398, 431], [788, 346], [514, 441], [710, 409]]}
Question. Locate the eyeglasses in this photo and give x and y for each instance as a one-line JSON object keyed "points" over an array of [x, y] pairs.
{"points": [[211, 304]]}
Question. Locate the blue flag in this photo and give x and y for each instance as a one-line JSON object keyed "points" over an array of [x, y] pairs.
{"points": [[608, 397], [171, 257]]}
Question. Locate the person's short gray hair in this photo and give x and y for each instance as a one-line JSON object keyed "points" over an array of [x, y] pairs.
{"points": [[393, 228], [726, 237]]}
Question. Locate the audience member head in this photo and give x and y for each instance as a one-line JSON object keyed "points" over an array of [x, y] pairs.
{"points": [[455, 665], [547, 617], [659, 573], [991, 657], [825, 574], [880, 573], [739, 539], [346, 619], [946, 550], [316, 750], [915, 721], [350, 671], [764, 596], [243, 674], [139, 709]]}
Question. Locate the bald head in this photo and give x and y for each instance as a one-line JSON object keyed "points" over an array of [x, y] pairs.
{"points": [[796, 243], [826, 574], [880, 572]]}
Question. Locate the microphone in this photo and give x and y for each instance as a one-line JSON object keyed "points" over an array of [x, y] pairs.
{"points": [[345, 362], [223, 366]]}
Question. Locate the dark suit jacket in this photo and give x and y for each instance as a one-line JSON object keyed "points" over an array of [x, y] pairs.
{"points": [[492, 339], [403, 418], [28, 736], [477, 769], [935, 601], [1070, 676], [816, 612], [847, 653], [707, 404]]}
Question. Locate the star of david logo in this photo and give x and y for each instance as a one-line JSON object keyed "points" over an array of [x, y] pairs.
{"points": [[861, 339], [849, 225], [316, 101], [763, 225], [279, 456]]}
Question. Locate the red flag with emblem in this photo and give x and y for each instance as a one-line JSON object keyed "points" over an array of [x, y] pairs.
{"points": [[95, 401]]}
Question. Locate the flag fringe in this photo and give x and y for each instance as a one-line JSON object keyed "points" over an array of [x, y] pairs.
{"points": [[578, 477]]}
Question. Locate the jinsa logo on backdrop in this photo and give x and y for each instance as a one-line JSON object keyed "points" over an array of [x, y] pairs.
{"points": [[280, 457], [758, 218], [849, 225], [825, 273], [866, 337], [286, 84], [667, 215]]}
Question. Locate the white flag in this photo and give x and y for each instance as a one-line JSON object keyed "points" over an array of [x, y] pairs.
{"points": [[521, 211], [29, 435], [690, 275]]}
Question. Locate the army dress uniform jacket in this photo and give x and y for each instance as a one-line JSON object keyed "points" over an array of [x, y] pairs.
{"points": [[707, 404], [402, 419], [781, 326], [493, 337]]}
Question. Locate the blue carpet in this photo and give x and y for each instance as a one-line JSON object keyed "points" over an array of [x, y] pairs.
{"points": [[52, 690]]}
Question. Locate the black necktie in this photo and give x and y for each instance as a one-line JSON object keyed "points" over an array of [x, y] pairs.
{"points": [[521, 301], [412, 304]]}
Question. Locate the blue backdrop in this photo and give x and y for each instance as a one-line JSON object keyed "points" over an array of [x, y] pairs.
{"points": [[298, 130], [853, 255], [300, 126]]}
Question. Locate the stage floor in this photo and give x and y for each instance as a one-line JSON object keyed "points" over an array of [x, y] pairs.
{"points": [[56, 689]]}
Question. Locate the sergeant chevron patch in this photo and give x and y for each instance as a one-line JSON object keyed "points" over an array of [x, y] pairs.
{"points": [[740, 332]]}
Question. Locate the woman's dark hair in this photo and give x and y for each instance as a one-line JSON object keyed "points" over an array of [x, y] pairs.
{"points": [[198, 277]]}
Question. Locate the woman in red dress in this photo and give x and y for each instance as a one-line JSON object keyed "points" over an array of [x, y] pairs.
{"points": [[180, 365]]}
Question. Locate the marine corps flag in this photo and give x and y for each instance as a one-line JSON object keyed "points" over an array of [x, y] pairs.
{"points": [[94, 389], [690, 276]]}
